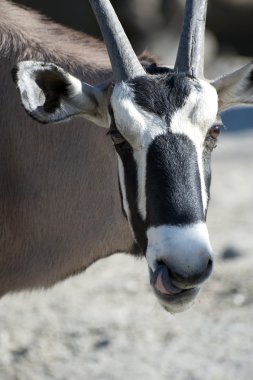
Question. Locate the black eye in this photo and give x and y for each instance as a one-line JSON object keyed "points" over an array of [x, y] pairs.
{"points": [[116, 137], [215, 131]]}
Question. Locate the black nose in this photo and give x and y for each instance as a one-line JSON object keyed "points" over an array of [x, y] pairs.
{"points": [[188, 274]]}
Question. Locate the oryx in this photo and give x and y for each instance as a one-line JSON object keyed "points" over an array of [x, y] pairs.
{"points": [[69, 196]]}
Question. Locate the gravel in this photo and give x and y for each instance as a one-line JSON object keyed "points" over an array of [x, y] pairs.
{"points": [[105, 324]]}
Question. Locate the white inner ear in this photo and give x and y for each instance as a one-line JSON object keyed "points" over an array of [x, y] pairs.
{"points": [[80, 98], [32, 95]]}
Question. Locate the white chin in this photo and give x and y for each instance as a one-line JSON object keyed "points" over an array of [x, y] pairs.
{"points": [[176, 308], [179, 302]]}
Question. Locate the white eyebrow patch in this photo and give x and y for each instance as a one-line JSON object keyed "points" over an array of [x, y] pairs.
{"points": [[138, 126], [198, 114]]}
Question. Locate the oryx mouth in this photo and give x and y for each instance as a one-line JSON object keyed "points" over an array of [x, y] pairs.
{"points": [[167, 292]]}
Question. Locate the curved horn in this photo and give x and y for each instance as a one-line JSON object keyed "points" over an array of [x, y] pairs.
{"points": [[190, 56], [125, 63]]}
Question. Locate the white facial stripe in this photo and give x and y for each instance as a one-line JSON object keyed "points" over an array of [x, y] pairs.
{"points": [[123, 187], [198, 113], [169, 241], [123, 192], [140, 157], [202, 178], [138, 126], [193, 121]]}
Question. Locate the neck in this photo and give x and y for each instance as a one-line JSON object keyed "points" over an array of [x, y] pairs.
{"points": [[60, 202]]}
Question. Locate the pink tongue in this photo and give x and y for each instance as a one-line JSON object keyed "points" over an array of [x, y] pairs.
{"points": [[159, 284]]}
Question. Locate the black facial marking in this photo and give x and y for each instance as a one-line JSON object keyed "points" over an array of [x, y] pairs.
{"points": [[125, 151], [173, 184], [136, 251], [153, 69], [14, 75], [162, 95], [121, 197], [173, 187]]}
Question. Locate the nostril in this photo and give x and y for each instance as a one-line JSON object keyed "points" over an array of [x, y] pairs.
{"points": [[160, 263], [188, 273], [209, 267]]}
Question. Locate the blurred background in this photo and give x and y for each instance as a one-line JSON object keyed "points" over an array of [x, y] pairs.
{"points": [[148, 21], [155, 25], [106, 324]]}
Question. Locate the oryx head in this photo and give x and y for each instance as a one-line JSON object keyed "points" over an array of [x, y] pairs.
{"points": [[164, 124]]}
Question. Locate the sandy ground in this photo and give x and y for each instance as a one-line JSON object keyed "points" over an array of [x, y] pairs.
{"points": [[106, 324]]}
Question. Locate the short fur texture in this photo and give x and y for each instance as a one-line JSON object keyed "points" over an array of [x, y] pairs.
{"points": [[56, 197], [60, 204]]}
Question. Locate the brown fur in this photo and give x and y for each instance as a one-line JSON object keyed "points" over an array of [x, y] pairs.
{"points": [[60, 207]]}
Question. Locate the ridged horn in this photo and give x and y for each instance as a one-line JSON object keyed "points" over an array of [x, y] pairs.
{"points": [[190, 56], [125, 63]]}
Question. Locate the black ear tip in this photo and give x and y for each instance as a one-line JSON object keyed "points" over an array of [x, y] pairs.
{"points": [[14, 74]]}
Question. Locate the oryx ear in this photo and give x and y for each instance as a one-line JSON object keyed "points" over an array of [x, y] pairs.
{"points": [[235, 88], [49, 94]]}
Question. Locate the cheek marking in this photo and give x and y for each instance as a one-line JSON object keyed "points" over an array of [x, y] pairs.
{"points": [[124, 195], [129, 198], [141, 164], [123, 187]]}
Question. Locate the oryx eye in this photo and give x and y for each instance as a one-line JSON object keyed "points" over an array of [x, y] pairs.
{"points": [[215, 131], [116, 137]]}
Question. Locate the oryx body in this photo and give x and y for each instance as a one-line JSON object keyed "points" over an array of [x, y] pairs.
{"points": [[60, 203], [63, 204]]}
